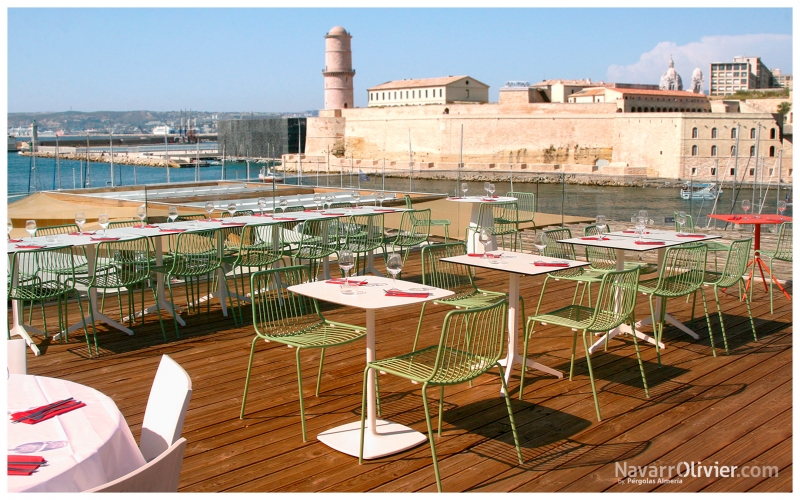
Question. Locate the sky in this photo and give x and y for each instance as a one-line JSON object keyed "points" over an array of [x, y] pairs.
{"points": [[271, 59]]}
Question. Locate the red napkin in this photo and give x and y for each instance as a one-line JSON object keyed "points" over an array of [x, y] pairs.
{"points": [[73, 405], [263, 215], [104, 238], [590, 238], [396, 293], [24, 469], [148, 226], [691, 235], [29, 247], [474, 255], [238, 224], [163, 230], [488, 199], [649, 242], [283, 218], [340, 281], [85, 233], [15, 240], [551, 264], [634, 232]]}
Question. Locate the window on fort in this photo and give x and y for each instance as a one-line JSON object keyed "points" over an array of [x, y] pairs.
{"points": [[406, 94], [713, 151], [694, 171], [714, 133], [395, 95], [733, 133], [467, 93], [383, 96], [694, 133], [733, 150], [770, 171], [426, 93], [752, 150], [752, 133], [752, 172], [772, 150], [772, 133], [440, 92], [694, 150], [713, 171]]}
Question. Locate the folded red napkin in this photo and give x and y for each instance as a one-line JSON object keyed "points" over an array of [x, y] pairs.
{"points": [[488, 199], [474, 255], [84, 233], [260, 215], [29, 247], [239, 224], [649, 242], [341, 281], [551, 264], [104, 238], [24, 465], [634, 232], [148, 226], [165, 230], [284, 218], [72, 405], [15, 240], [397, 293], [691, 235], [590, 238]]}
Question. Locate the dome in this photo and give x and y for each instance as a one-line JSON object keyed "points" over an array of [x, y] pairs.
{"points": [[697, 73], [337, 30], [671, 80]]}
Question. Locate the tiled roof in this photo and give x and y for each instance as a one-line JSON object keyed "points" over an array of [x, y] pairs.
{"points": [[423, 82], [590, 91], [675, 93]]}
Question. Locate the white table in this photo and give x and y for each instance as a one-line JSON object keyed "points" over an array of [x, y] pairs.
{"points": [[474, 246], [381, 437], [517, 264], [621, 241], [84, 448]]}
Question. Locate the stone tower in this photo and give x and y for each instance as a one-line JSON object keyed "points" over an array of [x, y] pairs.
{"points": [[338, 70]]}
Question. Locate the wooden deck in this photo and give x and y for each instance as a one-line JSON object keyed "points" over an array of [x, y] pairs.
{"points": [[734, 410]]}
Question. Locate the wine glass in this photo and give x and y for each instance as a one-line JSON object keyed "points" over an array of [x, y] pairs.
{"points": [[80, 220], [781, 207], [540, 242], [485, 237], [745, 207], [464, 188], [209, 208], [643, 215], [283, 204], [102, 219], [346, 262], [641, 224], [262, 204], [382, 195], [329, 201], [600, 222], [491, 190], [231, 208], [10, 227], [486, 188], [394, 264], [317, 201], [141, 212], [172, 214], [681, 221], [30, 226], [357, 197]]}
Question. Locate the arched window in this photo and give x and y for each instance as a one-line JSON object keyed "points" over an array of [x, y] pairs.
{"points": [[714, 133], [733, 150], [772, 150], [733, 133], [713, 151], [752, 133], [752, 150], [640, 109], [772, 133], [694, 150], [694, 133]]}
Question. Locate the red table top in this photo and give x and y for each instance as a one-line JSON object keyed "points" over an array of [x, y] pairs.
{"points": [[752, 219]]}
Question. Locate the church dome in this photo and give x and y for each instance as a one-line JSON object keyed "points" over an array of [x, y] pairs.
{"points": [[671, 80]]}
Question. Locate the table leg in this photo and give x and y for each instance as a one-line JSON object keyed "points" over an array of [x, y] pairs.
{"points": [[160, 291], [370, 267], [381, 437]]}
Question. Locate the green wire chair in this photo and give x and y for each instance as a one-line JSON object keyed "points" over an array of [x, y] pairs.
{"points": [[782, 252], [318, 239], [295, 208], [414, 230], [127, 264], [185, 217], [32, 279], [526, 207], [471, 343], [237, 213], [732, 274], [126, 223], [196, 255], [681, 275], [504, 217], [457, 278], [712, 245], [605, 259], [363, 234], [615, 305], [295, 320], [443, 223], [80, 264]]}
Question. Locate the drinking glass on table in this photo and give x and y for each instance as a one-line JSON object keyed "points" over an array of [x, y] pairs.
{"points": [[491, 189], [540, 242], [283, 204], [231, 208], [346, 262], [781, 207], [745, 207], [600, 222], [172, 214], [485, 236], [30, 226], [380, 197], [209, 208], [641, 224], [394, 264], [80, 220], [329, 201], [681, 221], [141, 212], [486, 188], [102, 219], [464, 188], [317, 201], [262, 204], [356, 196]]}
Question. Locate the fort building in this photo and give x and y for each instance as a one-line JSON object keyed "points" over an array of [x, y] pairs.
{"points": [[428, 91]]}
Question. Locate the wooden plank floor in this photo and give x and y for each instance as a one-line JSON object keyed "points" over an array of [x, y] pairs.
{"points": [[733, 410]]}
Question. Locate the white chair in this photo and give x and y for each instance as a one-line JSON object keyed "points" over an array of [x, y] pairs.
{"points": [[166, 408], [17, 357], [159, 475]]}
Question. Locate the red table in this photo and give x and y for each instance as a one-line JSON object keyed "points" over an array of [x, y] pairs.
{"points": [[757, 220]]}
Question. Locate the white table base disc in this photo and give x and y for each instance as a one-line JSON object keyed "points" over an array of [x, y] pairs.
{"points": [[390, 438]]}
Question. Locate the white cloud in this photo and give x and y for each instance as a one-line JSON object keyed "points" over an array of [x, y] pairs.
{"points": [[774, 50]]}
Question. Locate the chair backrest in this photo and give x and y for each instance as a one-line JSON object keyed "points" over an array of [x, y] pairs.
{"points": [[415, 228], [160, 475], [127, 223], [735, 263], [17, 356], [616, 299], [196, 253], [688, 226], [683, 270], [41, 273], [319, 238], [277, 312], [783, 250], [128, 263], [364, 232], [295, 208], [62, 229], [341, 204], [503, 215], [166, 408], [259, 245], [457, 278], [526, 205], [471, 342], [556, 249], [599, 257], [407, 199], [183, 217]]}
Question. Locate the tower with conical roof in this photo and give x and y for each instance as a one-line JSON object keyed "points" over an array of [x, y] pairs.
{"points": [[338, 70]]}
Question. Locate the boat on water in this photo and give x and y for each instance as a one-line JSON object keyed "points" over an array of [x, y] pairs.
{"points": [[700, 191], [200, 163]]}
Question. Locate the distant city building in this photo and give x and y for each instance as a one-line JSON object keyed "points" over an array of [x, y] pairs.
{"points": [[441, 90], [670, 80], [338, 70], [262, 138], [645, 101], [561, 90], [163, 129], [781, 80], [744, 73]]}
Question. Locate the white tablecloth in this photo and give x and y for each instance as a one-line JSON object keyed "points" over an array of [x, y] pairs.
{"points": [[84, 448]]}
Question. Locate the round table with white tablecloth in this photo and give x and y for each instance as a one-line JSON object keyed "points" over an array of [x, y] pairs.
{"points": [[84, 448]]}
